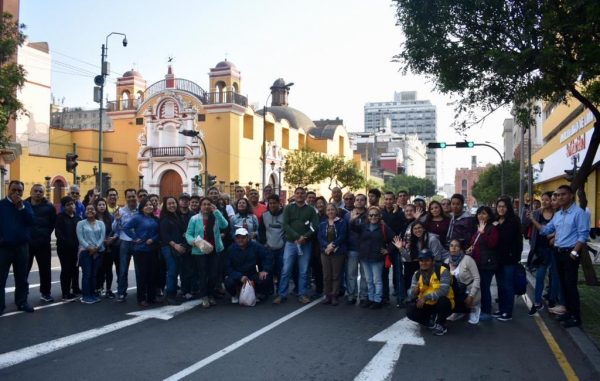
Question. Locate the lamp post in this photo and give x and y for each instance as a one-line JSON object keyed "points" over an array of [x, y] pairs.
{"points": [[285, 86], [196, 134], [99, 80]]}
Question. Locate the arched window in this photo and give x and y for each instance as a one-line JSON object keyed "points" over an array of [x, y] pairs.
{"points": [[464, 184], [125, 98], [220, 96]]}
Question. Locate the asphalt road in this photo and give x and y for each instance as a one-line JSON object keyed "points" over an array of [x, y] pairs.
{"points": [[80, 342]]}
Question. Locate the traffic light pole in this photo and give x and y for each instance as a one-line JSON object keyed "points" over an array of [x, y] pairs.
{"points": [[75, 168], [501, 165]]}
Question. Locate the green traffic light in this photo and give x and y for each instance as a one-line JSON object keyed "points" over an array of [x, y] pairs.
{"points": [[442, 145]]}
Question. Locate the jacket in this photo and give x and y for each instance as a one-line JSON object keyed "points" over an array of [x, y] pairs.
{"points": [[248, 221], [142, 228], [172, 229], [66, 231], [91, 235], [372, 241], [341, 236], [242, 262], [462, 228], [15, 224], [270, 230], [469, 274], [432, 286], [196, 228], [354, 229], [484, 248], [299, 221], [510, 244], [44, 221]]}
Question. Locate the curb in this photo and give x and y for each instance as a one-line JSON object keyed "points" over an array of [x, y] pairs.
{"points": [[586, 346]]}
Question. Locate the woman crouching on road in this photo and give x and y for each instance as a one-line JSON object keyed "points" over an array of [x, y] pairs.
{"points": [[90, 234], [467, 295]]}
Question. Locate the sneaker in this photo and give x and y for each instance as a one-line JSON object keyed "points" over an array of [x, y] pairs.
{"points": [[25, 307], [205, 302], [87, 300], [365, 303], [69, 297], [212, 301], [485, 317], [497, 314], [120, 298], [235, 300], [504, 317], [571, 322], [188, 296], [160, 292], [474, 315], [172, 301], [558, 310], [97, 299], [304, 299], [279, 299], [350, 301], [455, 316], [109, 294], [47, 298], [534, 309], [439, 330]]}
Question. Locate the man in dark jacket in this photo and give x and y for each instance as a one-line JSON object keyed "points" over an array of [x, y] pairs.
{"points": [[462, 224], [15, 232], [44, 220], [243, 259]]}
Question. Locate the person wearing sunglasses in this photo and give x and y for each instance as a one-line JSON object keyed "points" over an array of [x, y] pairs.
{"points": [[374, 245]]}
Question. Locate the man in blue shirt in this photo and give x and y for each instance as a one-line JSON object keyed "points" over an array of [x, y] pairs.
{"points": [[15, 233], [572, 227]]}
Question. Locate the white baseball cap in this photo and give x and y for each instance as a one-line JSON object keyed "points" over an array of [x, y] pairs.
{"points": [[241, 231]]}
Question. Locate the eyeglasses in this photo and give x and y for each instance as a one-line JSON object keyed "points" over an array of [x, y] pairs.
{"points": [[348, 198], [38, 191], [75, 193], [373, 215]]}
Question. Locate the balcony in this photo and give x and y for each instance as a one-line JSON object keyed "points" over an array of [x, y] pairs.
{"points": [[225, 97], [168, 152], [123, 105]]}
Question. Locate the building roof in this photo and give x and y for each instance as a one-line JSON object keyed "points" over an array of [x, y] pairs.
{"points": [[324, 131], [226, 64], [296, 118], [132, 73]]}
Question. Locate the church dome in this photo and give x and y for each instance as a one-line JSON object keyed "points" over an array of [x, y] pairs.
{"points": [[132, 73], [226, 64], [296, 118]]}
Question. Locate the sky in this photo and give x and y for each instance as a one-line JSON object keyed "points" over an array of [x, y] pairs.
{"points": [[338, 54]]}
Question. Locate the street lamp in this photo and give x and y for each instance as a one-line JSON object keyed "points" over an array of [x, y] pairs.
{"points": [[541, 164], [285, 86], [99, 81], [196, 134]]}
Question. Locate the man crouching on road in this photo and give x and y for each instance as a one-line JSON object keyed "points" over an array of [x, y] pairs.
{"points": [[431, 294], [244, 257]]}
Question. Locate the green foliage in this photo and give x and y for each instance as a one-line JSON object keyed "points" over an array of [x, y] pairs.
{"points": [[493, 53], [414, 185], [487, 189], [12, 75], [342, 173]]}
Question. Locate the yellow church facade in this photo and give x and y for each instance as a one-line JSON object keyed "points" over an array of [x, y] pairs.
{"points": [[152, 144]]}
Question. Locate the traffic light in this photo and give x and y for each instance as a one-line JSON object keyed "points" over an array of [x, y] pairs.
{"points": [[436, 145], [465, 144], [212, 180], [71, 162], [197, 180]]}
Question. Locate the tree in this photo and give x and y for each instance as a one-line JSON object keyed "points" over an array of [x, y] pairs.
{"points": [[303, 167], [12, 75], [341, 172], [414, 185], [493, 53], [487, 189]]}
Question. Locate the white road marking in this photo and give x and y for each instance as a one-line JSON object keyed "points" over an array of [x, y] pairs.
{"points": [[215, 356], [381, 366], [29, 353], [37, 270], [12, 289]]}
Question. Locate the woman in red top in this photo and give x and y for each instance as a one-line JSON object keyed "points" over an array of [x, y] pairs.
{"points": [[437, 222]]}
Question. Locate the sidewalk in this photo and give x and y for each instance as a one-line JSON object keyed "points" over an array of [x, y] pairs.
{"points": [[578, 335]]}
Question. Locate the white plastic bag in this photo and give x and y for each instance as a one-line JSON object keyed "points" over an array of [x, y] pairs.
{"points": [[203, 245], [247, 295]]}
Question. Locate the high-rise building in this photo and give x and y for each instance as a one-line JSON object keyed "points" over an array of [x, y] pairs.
{"points": [[408, 116]]}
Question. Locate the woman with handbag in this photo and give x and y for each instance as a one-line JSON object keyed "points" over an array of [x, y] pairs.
{"points": [[466, 282], [204, 234], [332, 237], [483, 250], [173, 244]]}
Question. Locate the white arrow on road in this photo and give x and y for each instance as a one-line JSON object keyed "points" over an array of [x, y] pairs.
{"points": [[381, 366], [34, 351]]}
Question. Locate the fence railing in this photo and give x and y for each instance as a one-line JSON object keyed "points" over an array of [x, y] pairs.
{"points": [[227, 97], [168, 152]]}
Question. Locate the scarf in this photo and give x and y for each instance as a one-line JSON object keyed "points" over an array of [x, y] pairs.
{"points": [[455, 259]]}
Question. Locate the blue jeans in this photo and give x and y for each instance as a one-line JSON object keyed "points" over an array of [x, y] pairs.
{"points": [[353, 289], [486, 292], [373, 272], [290, 254], [172, 263], [556, 291], [505, 277], [18, 258], [540, 275], [125, 253], [89, 269]]}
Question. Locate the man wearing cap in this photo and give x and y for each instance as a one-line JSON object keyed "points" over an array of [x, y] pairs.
{"points": [[248, 261], [432, 298], [122, 216]]}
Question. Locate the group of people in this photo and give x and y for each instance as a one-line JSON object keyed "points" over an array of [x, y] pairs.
{"points": [[439, 259]]}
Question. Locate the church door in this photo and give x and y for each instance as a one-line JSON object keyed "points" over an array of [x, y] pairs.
{"points": [[170, 184]]}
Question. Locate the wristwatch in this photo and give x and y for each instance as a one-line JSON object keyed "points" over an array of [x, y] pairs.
{"points": [[574, 253]]}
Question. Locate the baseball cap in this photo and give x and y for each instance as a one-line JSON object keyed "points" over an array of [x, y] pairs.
{"points": [[425, 254], [241, 231]]}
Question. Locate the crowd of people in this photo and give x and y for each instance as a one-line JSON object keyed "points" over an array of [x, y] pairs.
{"points": [[439, 259]]}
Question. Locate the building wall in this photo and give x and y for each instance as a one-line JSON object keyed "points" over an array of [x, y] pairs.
{"points": [[464, 179]]}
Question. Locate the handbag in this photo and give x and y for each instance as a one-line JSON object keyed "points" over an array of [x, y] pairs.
{"points": [[247, 295]]}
